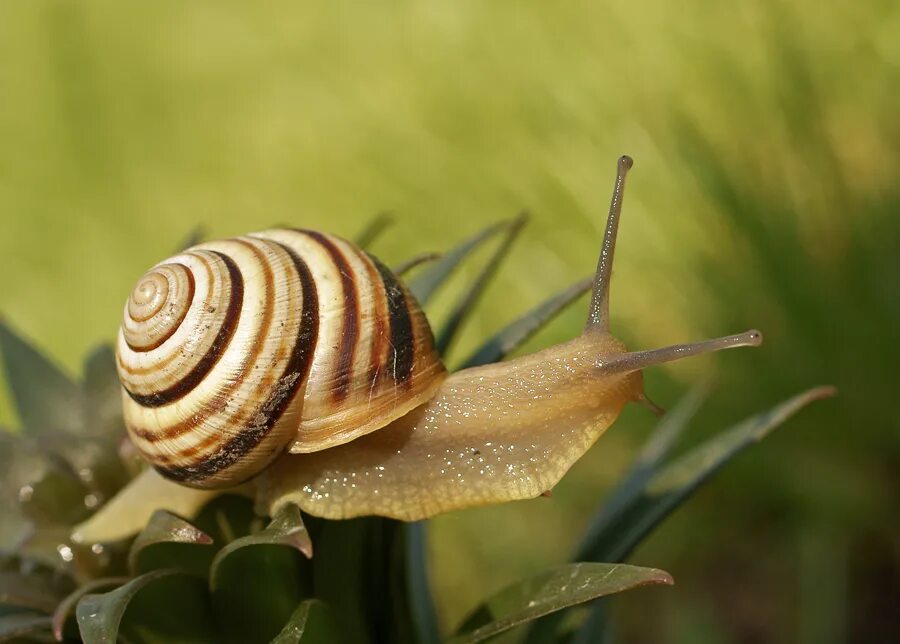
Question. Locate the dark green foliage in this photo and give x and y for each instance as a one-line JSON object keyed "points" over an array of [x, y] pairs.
{"points": [[230, 575]]}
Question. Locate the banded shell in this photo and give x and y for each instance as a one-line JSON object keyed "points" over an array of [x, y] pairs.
{"points": [[236, 350]]}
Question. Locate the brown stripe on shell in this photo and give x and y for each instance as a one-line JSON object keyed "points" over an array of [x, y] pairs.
{"points": [[380, 333], [293, 377], [249, 359], [215, 351], [402, 355], [350, 330], [174, 327], [165, 362]]}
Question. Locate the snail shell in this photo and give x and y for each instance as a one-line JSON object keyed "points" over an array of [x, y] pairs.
{"points": [[236, 350]]}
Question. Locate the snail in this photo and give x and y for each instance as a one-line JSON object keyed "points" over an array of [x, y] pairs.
{"points": [[297, 365]]}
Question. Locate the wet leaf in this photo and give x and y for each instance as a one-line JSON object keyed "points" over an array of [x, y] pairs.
{"points": [[512, 336], [674, 483], [377, 225], [633, 511], [157, 606], [312, 623], [46, 400], [56, 498], [551, 591], [16, 625], [424, 286], [466, 303], [64, 610], [257, 581], [162, 541]]}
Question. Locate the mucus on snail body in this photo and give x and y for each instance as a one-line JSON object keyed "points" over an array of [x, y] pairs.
{"points": [[295, 361]]}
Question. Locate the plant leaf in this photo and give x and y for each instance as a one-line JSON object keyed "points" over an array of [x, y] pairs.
{"points": [[675, 482], [102, 394], [257, 581], [46, 400], [16, 625], [161, 602], [466, 304], [420, 605], [312, 623], [413, 262], [343, 563], [551, 591], [63, 610], [372, 230], [285, 529], [630, 488], [427, 283], [194, 237], [167, 529], [517, 332]]}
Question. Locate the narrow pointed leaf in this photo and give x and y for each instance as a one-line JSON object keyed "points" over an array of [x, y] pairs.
{"points": [[466, 304], [413, 262], [46, 400], [630, 488], [381, 222], [257, 581], [64, 610], [167, 529], [551, 591], [194, 237], [518, 332], [102, 393], [674, 483], [16, 625], [421, 608], [158, 605], [312, 623], [426, 284]]}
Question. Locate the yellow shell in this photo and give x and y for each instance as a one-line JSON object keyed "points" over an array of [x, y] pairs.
{"points": [[236, 350]]}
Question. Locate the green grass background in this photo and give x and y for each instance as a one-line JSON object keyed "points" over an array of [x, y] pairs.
{"points": [[765, 193]]}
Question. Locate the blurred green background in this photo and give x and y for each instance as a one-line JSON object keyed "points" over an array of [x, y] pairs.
{"points": [[765, 193]]}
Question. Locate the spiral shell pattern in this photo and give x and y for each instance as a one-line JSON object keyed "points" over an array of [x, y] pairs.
{"points": [[236, 350]]}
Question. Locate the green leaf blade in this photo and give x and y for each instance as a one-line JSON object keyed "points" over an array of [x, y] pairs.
{"points": [[425, 285], [312, 623], [552, 591], [466, 303], [161, 541], [674, 483], [153, 607], [257, 581], [516, 333], [46, 399]]}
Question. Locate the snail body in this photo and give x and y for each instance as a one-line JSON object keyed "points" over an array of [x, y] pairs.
{"points": [[296, 363]]}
